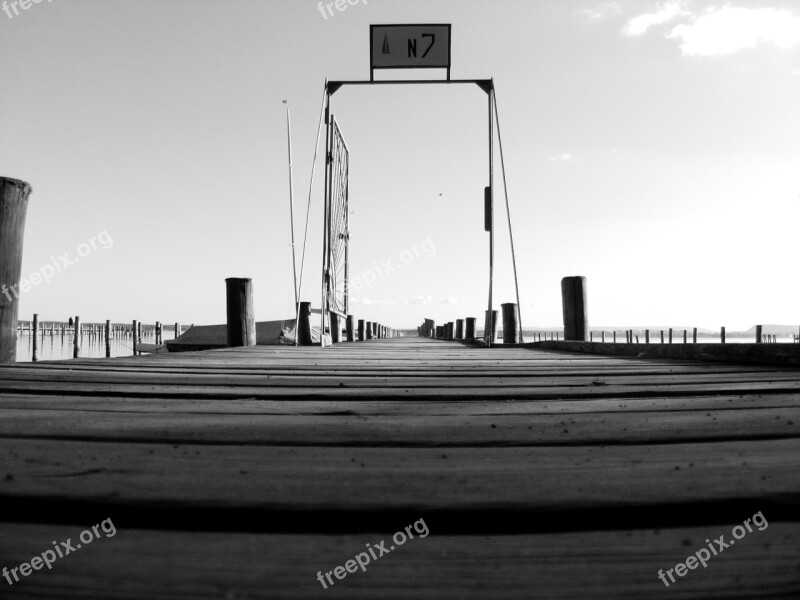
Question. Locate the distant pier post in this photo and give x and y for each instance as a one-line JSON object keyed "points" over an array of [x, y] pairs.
{"points": [[336, 328], [361, 326], [351, 328], [511, 331], [576, 313], [759, 337], [369, 330], [241, 317], [133, 330], [303, 326], [14, 196], [374, 330], [722, 335], [459, 329]]}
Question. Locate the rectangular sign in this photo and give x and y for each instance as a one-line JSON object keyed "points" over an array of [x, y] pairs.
{"points": [[410, 46]]}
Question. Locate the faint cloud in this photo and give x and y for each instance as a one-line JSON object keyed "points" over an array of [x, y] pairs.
{"points": [[601, 12], [371, 302], [730, 29], [449, 301], [420, 300], [664, 12], [566, 157]]}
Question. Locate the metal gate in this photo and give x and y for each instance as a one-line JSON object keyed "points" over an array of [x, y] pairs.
{"points": [[335, 270]]}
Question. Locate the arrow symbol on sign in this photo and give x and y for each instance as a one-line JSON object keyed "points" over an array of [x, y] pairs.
{"points": [[385, 49]]}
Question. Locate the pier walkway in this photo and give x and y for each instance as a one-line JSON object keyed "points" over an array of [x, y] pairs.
{"points": [[242, 473]]}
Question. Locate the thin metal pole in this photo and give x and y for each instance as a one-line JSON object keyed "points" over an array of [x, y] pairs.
{"points": [[291, 199], [508, 212], [489, 325], [327, 222]]}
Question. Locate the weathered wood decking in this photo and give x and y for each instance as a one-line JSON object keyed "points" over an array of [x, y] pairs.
{"points": [[242, 473]]}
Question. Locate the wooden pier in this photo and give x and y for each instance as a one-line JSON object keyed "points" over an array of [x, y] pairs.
{"points": [[242, 473]]}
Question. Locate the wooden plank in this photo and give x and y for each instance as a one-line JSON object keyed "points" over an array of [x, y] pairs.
{"points": [[295, 478], [424, 430], [169, 565]]}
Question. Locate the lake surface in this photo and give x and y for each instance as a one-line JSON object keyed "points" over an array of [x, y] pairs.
{"points": [[58, 347]]}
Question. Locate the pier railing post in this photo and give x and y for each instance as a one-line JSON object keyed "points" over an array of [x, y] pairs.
{"points": [[241, 317], [351, 328], [361, 330], [576, 313], [511, 331], [76, 338], [108, 338], [759, 336], [34, 335], [302, 329], [459, 329], [14, 196]]}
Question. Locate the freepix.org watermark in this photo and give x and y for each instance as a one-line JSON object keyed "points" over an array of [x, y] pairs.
{"points": [[326, 8], [62, 263], [378, 271], [703, 555], [362, 559], [60, 550], [8, 7]]}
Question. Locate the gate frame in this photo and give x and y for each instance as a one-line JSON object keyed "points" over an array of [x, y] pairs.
{"points": [[331, 87]]}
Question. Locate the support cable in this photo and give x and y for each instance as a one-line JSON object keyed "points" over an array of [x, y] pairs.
{"points": [[308, 211], [508, 212]]}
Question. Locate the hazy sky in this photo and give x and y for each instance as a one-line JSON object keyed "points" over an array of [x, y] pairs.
{"points": [[653, 147]]}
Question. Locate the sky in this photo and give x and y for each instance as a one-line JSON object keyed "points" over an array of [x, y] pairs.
{"points": [[652, 147]]}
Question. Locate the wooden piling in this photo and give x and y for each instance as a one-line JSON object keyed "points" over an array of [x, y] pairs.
{"points": [[361, 331], [35, 336], [134, 329], [241, 317], [336, 328], [76, 342], [684, 336], [459, 329], [694, 335], [350, 324], [511, 330], [303, 325], [469, 329], [670, 335], [369, 330], [439, 332], [646, 336], [374, 330], [14, 195], [108, 339], [759, 338], [177, 330], [576, 314], [722, 335]]}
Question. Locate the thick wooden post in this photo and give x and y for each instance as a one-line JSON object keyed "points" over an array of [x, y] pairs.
{"points": [[177, 329], [694, 335], [576, 313], [336, 328], [490, 322], [351, 328], [241, 317], [459, 329], [369, 330], [374, 330], [511, 331], [108, 338], [133, 332], [361, 330], [439, 332], [14, 196], [76, 338], [759, 337], [646, 336], [670, 335], [469, 332], [302, 328], [722, 335], [34, 338]]}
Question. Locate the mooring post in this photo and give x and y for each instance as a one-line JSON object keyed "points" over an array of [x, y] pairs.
{"points": [[361, 326], [694, 335], [374, 330], [646, 336], [368, 325], [34, 336], [76, 338], [133, 331], [439, 332], [241, 317], [177, 330], [684, 336], [351, 328], [302, 329], [511, 332], [108, 338], [336, 328], [14, 196], [670, 335], [459, 329], [722, 335], [576, 314], [759, 330], [158, 332]]}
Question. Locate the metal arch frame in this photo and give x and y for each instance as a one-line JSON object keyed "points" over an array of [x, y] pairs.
{"points": [[487, 85]]}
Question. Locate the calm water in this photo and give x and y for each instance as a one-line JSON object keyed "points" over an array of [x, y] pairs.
{"points": [[59, 347]]}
